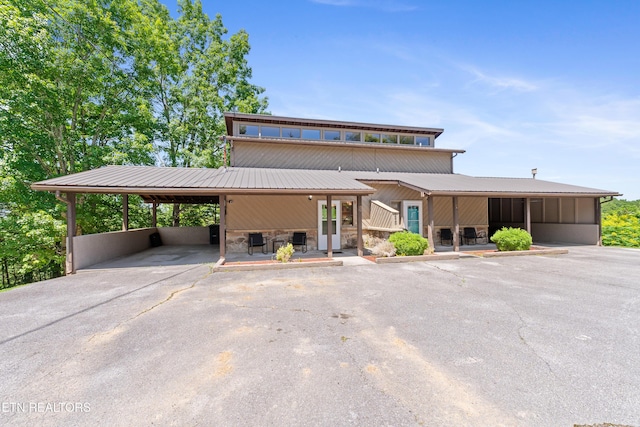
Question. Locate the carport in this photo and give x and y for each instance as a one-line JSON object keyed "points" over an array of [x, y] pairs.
{"points": [[190, 185]]}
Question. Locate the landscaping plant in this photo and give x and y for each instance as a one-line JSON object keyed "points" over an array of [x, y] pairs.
{"points": [[407, 243], [284, 253], [512, 239]]}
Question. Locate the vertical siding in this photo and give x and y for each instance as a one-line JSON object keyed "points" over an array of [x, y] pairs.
{"points": [[551, 210], [387, 194], [568, 210], [271, 212], [472, 211], [266, 155], [586, 211]]}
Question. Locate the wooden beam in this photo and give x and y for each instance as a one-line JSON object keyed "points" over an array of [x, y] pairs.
{"points": [[154, 214], [223, 226], [430, 223], [125, 212], [456, 225], [329, 228], [71, 232], [359, 226]]}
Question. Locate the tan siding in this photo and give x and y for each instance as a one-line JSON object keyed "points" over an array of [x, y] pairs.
{"points": [[271, 212], [586, 211], [265, 155], [536, 210], [473, 210], [551, 210], [568, 210]]}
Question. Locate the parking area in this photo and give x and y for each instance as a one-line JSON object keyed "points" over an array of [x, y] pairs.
{"points": [[519, 341]]}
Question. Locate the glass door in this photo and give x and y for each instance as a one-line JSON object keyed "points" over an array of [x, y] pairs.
{"points": [[412, 211], [322, 225]]}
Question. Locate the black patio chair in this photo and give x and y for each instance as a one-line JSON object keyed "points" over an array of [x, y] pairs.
{"points": [[255, 239], [446, 234], [299, 239], [469, 233]]}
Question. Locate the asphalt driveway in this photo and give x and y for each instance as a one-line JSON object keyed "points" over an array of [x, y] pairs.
{"points": [[522, 341]]}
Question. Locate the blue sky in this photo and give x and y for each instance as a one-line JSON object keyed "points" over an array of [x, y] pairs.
{"points": [[552, 85]]}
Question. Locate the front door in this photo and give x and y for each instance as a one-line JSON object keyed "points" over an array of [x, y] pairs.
{"points": [[412, 212], [322, 225]]}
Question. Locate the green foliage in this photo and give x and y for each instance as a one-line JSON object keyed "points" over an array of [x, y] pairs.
{"points": [[407, 243], [621, 223], [89, 83], [284, 253], [512, 239]]}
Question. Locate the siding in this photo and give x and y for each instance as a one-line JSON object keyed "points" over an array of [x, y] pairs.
{"points": [[265, 155], [246, 213], [471, 211]]}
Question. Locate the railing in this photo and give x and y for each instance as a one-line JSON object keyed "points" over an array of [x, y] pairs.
{"points": [[383, 217]]}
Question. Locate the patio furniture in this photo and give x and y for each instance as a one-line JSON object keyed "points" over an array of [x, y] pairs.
{"points": [[469, 233], [256, 239], [446, 234], [299, 239]]}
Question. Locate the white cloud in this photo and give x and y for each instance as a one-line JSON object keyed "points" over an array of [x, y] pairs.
{"points": [[500, 82]]}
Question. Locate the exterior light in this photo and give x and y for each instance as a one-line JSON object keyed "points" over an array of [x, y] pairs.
{"points": [[534, 171]]}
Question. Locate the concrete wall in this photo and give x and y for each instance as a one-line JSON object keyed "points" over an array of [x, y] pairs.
{"points": [[92, 249], [584, 234], [178, 236]]}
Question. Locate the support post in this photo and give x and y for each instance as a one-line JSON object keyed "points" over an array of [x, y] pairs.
{"points": [[456, 226], [154, 214], [359, 226], [125, 212], [71, 232], [527, 214], [598, 208], [223, 226], [329, 228], [430, 223]]}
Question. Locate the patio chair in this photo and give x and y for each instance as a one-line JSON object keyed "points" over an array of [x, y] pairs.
{"points": [[445, 234], [469, 233], [255, 239], [299, 239]]}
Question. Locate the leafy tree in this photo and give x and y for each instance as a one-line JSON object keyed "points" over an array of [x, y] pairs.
{"points": [[621, 223], [197, 76], [86, 83]]}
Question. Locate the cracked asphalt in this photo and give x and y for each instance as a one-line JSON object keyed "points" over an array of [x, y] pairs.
{"points": [[521, 341]]}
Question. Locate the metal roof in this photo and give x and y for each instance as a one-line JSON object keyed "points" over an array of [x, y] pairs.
{"points": [[230, 117], [456, 184], [191, 185], [150, 181]]}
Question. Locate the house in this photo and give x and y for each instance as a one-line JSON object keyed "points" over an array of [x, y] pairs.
{"points": [[283, 172]]}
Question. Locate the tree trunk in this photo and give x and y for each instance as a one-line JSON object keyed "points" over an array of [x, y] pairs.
{"points": [[176, 215]]}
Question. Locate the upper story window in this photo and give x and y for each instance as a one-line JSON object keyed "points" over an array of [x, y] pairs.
{"points": [[288, 132], [332, 135], [310, 133]]}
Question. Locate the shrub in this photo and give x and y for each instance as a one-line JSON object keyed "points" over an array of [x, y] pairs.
{"points": [[512, 239], [384, 249], [284, 253], [407, 243]]}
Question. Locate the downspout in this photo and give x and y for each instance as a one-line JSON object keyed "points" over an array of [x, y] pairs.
{"points": [[454, 155]]}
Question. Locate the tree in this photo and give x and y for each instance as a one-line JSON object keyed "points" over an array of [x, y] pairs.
{"points": [[85, 83], [197, 76]]}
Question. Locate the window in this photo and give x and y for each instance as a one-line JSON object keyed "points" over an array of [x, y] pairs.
{"points": [[311, 133], [332, 135], [389, 139], [352, 136], [290, 133], [406, 139], [270, 131], [347, 213], [423, 140], [248, 130], [372, 137]]}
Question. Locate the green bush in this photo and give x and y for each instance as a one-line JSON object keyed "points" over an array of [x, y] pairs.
{"points": [[407, 243], [512, 239]]}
